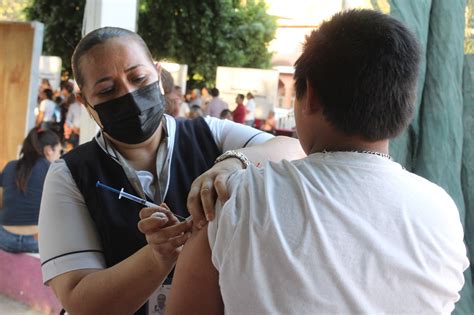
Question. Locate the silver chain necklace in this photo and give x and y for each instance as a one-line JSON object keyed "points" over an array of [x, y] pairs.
{"points": [[384, 155]]}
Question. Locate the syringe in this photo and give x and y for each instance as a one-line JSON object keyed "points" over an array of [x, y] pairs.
{"points": [[139, 200]]}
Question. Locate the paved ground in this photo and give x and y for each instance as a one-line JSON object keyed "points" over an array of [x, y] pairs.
{"points": [[11, 307]]}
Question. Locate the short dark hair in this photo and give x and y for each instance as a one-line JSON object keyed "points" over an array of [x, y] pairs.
{"points": [[214, 92], [363, 68], [100, 36], [241, 96], [167, 81], [69, 87], [224, 113], [48, 93]]}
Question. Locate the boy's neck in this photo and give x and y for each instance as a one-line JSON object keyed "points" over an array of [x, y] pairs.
{"points": [[351, 143]]}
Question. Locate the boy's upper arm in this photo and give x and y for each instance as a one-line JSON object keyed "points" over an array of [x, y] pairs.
{"points": [[196, 280]]}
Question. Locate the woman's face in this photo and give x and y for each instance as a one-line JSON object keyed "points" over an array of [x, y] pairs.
{"points": [[112, 69], [52, 153]]}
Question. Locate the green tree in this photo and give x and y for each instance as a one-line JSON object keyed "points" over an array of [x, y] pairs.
{"points": [[62, 27], [469, 33], [206, 34], [13, 10]]}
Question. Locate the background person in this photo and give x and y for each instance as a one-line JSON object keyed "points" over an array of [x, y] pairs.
{"points": [[173, 100], [73, 121], [226, 114], [270, 123], [183, 106], [21, 183], [239, 112], [205, 98], [216, 105], [344, 230], [195, 98], [195, 112], [91, 248], [250, 110], [66, 98], [47, 108]]}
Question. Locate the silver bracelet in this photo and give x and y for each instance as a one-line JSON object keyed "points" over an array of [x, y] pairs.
{"points": [[234, 154]]}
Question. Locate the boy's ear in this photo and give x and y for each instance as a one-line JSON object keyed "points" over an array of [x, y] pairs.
{"points": [[312, 103]]}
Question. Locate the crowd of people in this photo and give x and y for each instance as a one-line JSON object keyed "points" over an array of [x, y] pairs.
{"points": [[202, 102], [60, 112], [255, 224]]}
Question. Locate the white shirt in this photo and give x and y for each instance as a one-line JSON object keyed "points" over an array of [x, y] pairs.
{"points": [[68, 236], [73, 117], [47, 107], [251, 109], [216, 106], [337, 233]]}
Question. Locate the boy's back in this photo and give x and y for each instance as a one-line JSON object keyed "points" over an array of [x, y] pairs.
{"points": [[337, 232]]}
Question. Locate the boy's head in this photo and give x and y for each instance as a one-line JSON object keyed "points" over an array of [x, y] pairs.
{"points": [[362, 67]]}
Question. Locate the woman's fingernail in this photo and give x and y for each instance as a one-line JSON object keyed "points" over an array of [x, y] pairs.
{"points": [[159, 215]]}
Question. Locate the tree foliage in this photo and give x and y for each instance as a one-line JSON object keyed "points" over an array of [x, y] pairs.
{"points": [[62, 26], [469, 33], [203, 34], [13, 10], [208, 33]]}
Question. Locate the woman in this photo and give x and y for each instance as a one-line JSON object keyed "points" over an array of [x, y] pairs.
{"points": [[47, 109], [22, 183], [270, 123], [92, 253]]}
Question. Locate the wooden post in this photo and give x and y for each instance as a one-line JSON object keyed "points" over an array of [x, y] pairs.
{"points": [[20, 50]]}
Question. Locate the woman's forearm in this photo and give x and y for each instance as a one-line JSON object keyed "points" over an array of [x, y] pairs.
{"points": [[121, 289]]}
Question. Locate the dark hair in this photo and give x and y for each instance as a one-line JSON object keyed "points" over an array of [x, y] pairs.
{"points": [[224, 113], [363, 68], [214, 92], [68, 87], [48, 93], [70, 100], [249, 94], [97, 37], [195, 111], [31, 151], [167, 81], [241, 96]]}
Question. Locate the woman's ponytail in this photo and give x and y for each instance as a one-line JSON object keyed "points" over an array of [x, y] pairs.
{"points": [[31, 151]]}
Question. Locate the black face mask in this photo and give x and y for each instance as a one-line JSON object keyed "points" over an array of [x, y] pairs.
{"points": [[133, 117]]}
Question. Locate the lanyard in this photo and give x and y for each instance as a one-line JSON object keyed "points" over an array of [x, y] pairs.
{"points": [[160, 181]]}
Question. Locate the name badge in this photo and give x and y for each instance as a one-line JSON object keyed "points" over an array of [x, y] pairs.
{"points": [[157, 301]]}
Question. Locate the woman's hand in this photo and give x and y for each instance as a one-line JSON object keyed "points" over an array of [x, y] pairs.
{"points": [[207, 188], [164, 233]]}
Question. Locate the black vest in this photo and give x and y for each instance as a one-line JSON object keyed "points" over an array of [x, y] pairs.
{"points": [[116, 219]]}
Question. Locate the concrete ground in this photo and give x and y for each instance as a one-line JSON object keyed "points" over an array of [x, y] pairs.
{"points": [[12, 307]]}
